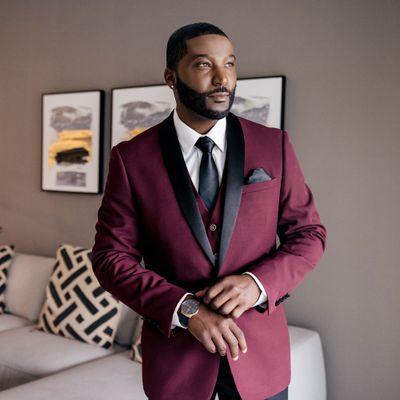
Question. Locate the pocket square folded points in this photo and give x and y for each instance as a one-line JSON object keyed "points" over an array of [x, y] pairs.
{"points": [[257, 175]]}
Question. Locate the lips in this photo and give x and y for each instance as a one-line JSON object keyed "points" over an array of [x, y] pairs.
{"points": [[219, 96]]}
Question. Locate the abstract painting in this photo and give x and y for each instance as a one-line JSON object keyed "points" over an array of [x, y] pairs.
{"points": [[261, 100], [72, 141]]}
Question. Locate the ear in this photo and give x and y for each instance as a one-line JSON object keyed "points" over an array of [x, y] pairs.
{"points": [[169, 76]]}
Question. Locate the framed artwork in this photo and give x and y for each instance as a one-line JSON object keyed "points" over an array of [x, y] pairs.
{"points": [[261, 100], [135, 109], [72, 141]]}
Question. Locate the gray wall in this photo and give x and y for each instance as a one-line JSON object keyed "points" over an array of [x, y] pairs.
{"points": [[341, 59]]}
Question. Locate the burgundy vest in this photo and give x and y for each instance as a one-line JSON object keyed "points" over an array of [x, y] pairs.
{"points": [[212, 220]]}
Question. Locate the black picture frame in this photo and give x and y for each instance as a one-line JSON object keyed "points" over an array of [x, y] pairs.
{"points": [[72, 142]]}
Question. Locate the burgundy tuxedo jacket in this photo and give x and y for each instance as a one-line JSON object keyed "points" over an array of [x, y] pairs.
{"points": [[149, 210]]}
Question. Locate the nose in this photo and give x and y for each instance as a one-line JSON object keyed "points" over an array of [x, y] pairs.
{"points": [[220, 77]]}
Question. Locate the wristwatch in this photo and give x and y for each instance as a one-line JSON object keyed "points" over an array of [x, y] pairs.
{"points": [[189, 307]]}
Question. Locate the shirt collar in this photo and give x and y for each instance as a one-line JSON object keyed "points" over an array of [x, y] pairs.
{"points": [[188, 137]]}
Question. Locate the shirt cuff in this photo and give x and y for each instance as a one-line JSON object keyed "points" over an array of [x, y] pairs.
{"points": [[262, 299], [175, 319]]}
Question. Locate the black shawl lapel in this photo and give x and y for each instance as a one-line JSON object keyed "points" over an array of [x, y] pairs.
{"points": [[234, 168], [180, 180]]}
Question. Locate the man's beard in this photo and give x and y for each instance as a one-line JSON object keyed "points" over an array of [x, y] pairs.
{"points": [[196, 101]]}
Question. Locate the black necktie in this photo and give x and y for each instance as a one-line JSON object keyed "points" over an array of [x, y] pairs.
{"points": [[208, 184]]}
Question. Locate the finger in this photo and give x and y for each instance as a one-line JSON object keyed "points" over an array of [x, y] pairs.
{"points": [[207, 342], [237, 312], [239, 336], [233, 344], [220, 344], [228, 307], [201, 292], [212, 292], [218, 301]]}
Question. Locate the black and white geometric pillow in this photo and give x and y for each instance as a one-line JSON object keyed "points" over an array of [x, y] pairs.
{"points": [[6, 256], [76, 306]]}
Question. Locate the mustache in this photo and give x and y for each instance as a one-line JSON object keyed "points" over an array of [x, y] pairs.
{"points": [[220, 89]]}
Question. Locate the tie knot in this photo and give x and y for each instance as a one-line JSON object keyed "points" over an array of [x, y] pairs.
{"points": [[205, 144]]}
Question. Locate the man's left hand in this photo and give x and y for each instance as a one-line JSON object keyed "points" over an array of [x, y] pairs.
{"points": [[232, 295]]}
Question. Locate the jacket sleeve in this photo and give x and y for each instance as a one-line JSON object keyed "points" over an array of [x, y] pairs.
{"points": [[302, 236], [116, 254]]}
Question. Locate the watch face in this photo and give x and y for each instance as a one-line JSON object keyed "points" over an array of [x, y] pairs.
{"points": [[190, 306]]}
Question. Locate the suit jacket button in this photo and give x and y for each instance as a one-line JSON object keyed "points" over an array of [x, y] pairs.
{"points": [[213, 227]]}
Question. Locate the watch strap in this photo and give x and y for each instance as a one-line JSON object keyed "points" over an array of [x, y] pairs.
{"points": [[183, 320]]}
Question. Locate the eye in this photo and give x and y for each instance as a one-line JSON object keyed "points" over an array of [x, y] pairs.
{"points": [[230, 64], [203, 64]]}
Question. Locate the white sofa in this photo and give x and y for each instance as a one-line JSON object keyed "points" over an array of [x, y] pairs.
{"points": [[38, 365]]}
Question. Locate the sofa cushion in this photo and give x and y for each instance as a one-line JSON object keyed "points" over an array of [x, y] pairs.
{"points": [[27, 354], [118, 377], [126, 326], [9, 321], [113, 377], [76, 306], [6, 256], [27, 280], [308, 380]]}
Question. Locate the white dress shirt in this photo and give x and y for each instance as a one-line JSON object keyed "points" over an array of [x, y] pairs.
{"points": [[192, 155]]}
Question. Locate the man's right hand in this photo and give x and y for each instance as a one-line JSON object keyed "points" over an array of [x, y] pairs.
{"points": [[216, 332]]}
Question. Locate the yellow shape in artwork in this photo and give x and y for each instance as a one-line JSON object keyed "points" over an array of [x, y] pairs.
{"points": [[69, 140], [135, 131]]}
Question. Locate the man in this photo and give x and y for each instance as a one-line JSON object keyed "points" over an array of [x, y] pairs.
{"points": [[201, 197]]}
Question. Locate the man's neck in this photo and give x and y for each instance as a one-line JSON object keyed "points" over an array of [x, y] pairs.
{"points": [[197, 122]]}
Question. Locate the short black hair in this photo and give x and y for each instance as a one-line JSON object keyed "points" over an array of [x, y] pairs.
{"points": [[176, 46]]}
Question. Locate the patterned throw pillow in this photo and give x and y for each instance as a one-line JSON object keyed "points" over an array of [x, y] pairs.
{"points": [[136, 350], [76, 306], [6, 256]]}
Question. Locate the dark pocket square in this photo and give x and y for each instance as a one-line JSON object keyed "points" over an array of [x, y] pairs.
{"points": [[257, 175]]}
